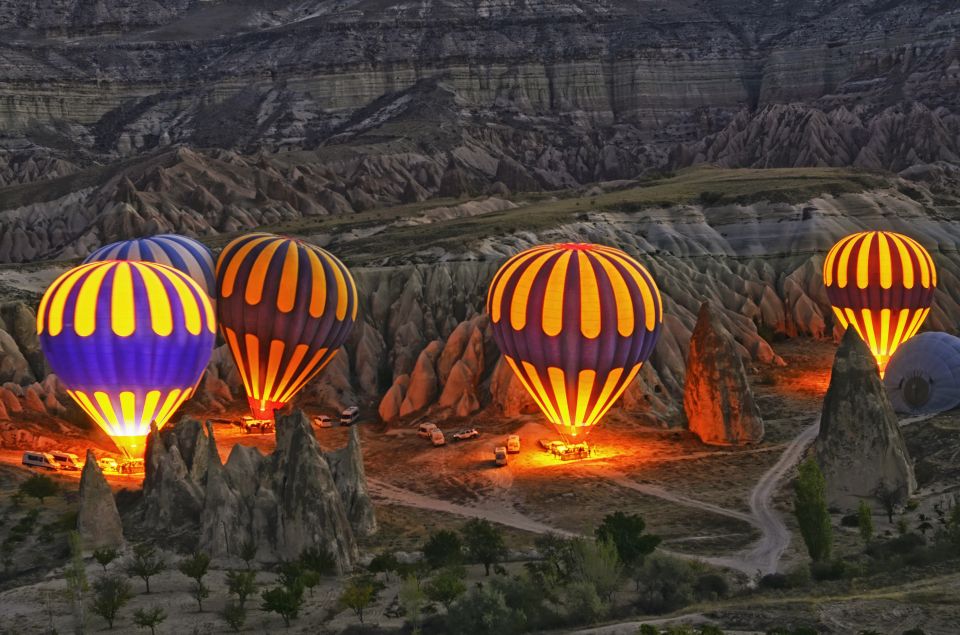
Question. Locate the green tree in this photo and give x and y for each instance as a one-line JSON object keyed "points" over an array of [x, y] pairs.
{"points": [[384, 562], [284, 601], [105, 555], [76, 578], [235, 615], [39, 486], [145, 563], [357, 596], [888, 498], [196, 567], [865, 521], [626, 533], [443, 549], [248, 551], [446, 586], [110, 594], [241, 584], [318, 559], [149, 618], [597, 563], [484, 542], [483, 611], [411, 599], [810, 508]]}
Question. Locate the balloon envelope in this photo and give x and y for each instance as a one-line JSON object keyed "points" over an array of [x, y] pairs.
{"points": [[882, 284], [129, 340], [575, 322], [923, 376], [285, 308], [186, 255]]}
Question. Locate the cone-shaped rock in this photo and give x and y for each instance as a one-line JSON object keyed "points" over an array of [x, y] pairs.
{"points": [[98, 521], [717, 399], [860, 448], [351, 480]]}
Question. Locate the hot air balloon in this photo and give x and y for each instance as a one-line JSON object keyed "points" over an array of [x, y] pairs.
{"points": [[882, 284], [285, 308], [923, 376], [187, 255], [575, 322], [129, 340]]}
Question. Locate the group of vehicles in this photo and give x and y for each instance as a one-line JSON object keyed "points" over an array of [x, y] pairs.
{"points": [[435, 434], [566, 451], [348, 417], [512, 447], [57, 460]]}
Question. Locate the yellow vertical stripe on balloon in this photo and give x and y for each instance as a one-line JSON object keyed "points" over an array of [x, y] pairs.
{"points": [[298, 354], [526, 384], [123, 318], [318, 284], [106, 407], [150, 402], [928, 272], [553, 297], [84, 402], [239, 356], [499, 286], [169, 404], [626, 384], [885, 331], [252, 344], [273, 366], [85, 310], [855, 323], [906, 264], [828, 262], [645, 284], [590, 318], [871, 337], [506, 271], [886, 262], [353, 292], [161, 314], [558, 384], [190, 302], [585, 381], [304, 375], [621, 296], [844, 263], [184, 395], [901, 325], [342, 298], [609, 384], [204, 305], [534, 378], [289, 279], [839, 313], [258, 273], [918, 322], [236, 260], [521, 293], [863, 261], [60, 298], [128, 410]]}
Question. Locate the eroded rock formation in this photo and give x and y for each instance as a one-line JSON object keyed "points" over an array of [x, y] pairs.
{"points": [[98, 521]]}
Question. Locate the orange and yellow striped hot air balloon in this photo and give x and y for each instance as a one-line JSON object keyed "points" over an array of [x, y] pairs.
{"points": [[575, 322], [882, 284], [129, 340], [285, 307]]}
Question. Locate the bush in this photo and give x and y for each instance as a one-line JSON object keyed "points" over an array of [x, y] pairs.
{"points": [[899, 545], [284, 601], [833, 570], [443, 549], [110, 594], [149, 618], [626, 532], [710, 198], [484, 542], [39, 486], [145, 564], [850, 520], [357, 596], [235, 615], [446, 586], [195, 567], [241, 584], [711, 586], [582, 603], [777, 581], [665, 584], [105, 556], [484, 611]]}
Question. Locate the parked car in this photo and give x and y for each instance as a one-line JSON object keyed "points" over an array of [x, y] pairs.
{"points": [[349, 415], [108, 464], [425, 430], [323, 421], [43, 460], [436, 437], [513, 444], [463, 435], [500, 456], [550, 445], [67, 461], [249, 424]]}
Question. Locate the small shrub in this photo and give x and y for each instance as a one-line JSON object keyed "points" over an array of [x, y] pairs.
{"points": [[284, 601], [145, 563], [241, 584], [195, 567], [105, 556], [149, 618], [235, 615], [443, 549], [110, 594], [39, 486]]}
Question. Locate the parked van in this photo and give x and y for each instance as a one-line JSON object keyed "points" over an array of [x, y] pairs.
{"points": [[513, 444], [108, 464], [425, 430], [67, 460], [349, 415], [436, 437], [43, 460], [323, 421], [500, 456]]}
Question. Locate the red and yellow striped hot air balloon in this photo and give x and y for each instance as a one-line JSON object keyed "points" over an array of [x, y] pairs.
{"points": [[882, 284], [575, 322], [129, 340], [285, 308]]}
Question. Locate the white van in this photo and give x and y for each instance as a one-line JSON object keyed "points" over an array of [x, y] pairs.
{"points": [[323, 421], [513, 444], [425, 430], [67, 461], [349, 415], [500, 456], [436, 437], [40, 459]]}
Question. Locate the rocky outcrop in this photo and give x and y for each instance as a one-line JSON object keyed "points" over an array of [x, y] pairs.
{"points": [[98, 521], [717, 399], [860, 448], [295, 498]]}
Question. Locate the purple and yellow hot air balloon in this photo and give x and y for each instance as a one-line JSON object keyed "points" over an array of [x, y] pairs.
{"points": [[129, 340], [882, 284], [285, 308], [575, 322]]}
